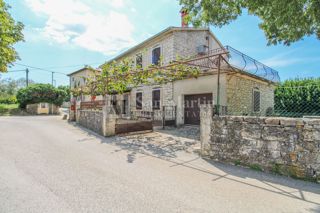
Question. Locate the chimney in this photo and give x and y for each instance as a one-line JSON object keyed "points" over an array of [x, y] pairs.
{"points": [[184, 14]]}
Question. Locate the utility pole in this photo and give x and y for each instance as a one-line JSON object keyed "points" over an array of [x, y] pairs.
{"points": [[52, 78], [27, 77]]}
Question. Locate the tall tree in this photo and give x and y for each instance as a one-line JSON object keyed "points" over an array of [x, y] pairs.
{"points": [[283, 21], [10, 33]]}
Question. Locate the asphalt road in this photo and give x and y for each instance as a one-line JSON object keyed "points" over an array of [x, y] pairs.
{"points": [[49, 165]]}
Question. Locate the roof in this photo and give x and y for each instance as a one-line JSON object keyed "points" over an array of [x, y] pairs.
{"points": [[80, 70], [160, 34]]}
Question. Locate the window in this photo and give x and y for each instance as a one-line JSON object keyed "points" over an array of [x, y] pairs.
{"points": [[139, 100], [114, 100], [156, 99], [125, 104], [43, 105], [256, 100], [156, 53], [139, 60]]}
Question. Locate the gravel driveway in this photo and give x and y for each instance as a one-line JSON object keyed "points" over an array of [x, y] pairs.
{"points": [[49, 165]]}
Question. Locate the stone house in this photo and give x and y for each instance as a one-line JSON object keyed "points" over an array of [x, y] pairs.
{"points": [[240, 92], [77, 79]]}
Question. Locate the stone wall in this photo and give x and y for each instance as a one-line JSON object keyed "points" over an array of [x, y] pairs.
{"points": [[288, 146], [240, 95], [32, 109], [186, 42], [92, 120]]}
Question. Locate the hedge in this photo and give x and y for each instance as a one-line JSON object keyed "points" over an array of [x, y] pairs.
{"points": [[39, 93]]}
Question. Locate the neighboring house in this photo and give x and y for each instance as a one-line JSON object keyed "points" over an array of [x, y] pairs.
{"points": [[42, 108], [78, 80], [241, 93]]}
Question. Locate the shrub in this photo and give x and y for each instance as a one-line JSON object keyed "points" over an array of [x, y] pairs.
{"points": [[8, 100], [298, 97], [38, 93]]}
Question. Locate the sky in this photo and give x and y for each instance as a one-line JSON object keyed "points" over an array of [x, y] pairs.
{"points": [[64, 35]]}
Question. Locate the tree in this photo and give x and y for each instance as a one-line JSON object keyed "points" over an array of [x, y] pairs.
{"points": [[38, 93], [283, 21], [10, 33], [9, 86], [67, 91]]}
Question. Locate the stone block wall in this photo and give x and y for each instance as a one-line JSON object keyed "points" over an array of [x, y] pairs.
{"points": [[32, 109], [288, 146], [92, 120], [186, 42], [240, 95]]}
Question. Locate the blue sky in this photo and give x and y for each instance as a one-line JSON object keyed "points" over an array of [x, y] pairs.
{"points": [[64, 35]]}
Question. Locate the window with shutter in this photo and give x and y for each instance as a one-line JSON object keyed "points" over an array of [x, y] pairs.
{"points": [[156, 53], [256, 100], [156, 99], [139, 100]]}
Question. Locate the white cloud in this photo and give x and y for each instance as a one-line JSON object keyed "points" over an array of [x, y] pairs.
{"points": [[74, 22], [117, 3]]}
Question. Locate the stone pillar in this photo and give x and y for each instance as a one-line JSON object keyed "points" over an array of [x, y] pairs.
{"points": [[206, 113], [109, 119]]}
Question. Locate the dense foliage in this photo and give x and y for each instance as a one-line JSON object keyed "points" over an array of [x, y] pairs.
{"points": [[9, 88], [298, 97], [8, 99], [38, 93], [67, 91], [283, 21], [10, 33]]}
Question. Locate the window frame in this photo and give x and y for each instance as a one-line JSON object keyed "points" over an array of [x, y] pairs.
{"points": [[256, 90], [138, 104], [152, 55], [156, 103]]}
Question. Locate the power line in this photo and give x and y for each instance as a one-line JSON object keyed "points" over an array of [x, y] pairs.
{"points": [[76, 65], [42, 69], [16, 70], [67, 66]]}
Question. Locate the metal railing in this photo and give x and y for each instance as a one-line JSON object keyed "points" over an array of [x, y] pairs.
{"points": [[247, 64]]}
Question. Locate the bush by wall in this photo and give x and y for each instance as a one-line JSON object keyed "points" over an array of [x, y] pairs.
{"points": [[38, 93]]}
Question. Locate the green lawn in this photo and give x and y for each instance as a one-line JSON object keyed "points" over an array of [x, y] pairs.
{"points": [[10, 109]]}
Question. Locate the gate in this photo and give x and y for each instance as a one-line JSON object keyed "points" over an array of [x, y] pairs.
{"points": [[126, 126]]}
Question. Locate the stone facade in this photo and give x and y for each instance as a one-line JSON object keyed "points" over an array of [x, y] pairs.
{"points": [[288, 146], [186, 42], [240, 95], [182, 43]]}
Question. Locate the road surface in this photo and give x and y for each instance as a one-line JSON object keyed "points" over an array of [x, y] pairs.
{"points": [[50, 165]]}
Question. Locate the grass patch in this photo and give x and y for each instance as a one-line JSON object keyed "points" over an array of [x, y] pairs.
{"points": [[237, 162], [10, 109], [276, 169], [256, 167]]}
